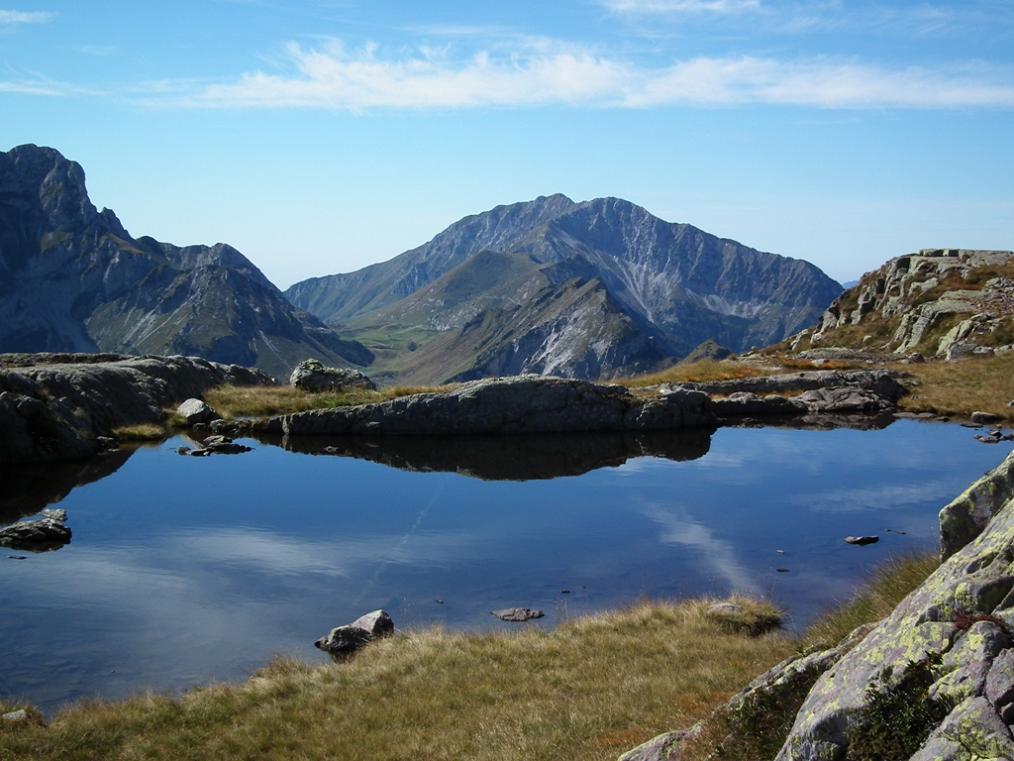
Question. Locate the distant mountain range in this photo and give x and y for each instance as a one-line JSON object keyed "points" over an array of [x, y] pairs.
{"points": [[592, 289], [73, 279]]}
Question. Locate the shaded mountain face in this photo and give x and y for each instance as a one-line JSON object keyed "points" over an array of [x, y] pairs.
{"points": [[646, 293], [73, 279]]}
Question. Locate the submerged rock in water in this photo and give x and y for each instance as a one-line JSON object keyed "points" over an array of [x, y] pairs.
{"points": [[196, 411], [517, 615], [343, 641], [48, 532], [861, 540], [313, 375]]}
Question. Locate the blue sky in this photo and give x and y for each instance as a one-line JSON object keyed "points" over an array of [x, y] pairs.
{"points": [[319, 137]]}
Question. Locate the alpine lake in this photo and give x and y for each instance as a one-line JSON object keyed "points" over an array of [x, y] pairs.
{"points": [[186, 570]]}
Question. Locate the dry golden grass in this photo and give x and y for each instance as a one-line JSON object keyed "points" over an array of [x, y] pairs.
{"points": [[590, 689], [256, 401], [140, 432], [963, 386], [705, 370]]}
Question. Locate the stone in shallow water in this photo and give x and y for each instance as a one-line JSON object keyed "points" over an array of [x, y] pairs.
{"points": [[343, 641], [861, 540], [517, 614]]}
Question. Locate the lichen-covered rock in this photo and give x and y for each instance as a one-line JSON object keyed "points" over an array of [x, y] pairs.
{"points": [[664, 747], [196, 411], [972, 731], [955, 610], [966, 516], [343, 641], [313, 375]]}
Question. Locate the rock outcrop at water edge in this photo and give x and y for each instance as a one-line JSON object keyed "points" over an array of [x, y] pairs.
{"points": [[56, 407], [934, 681]]}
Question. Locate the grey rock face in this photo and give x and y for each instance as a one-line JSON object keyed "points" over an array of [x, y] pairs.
{"points": [[59, 411], [967, 515], [196, 411], [73, 279], [312, 375], [47, 532], [343, 641]]}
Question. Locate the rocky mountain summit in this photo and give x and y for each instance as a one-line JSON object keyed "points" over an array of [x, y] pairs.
{"points": [[944, 303], [550, 286], [73, 279]]}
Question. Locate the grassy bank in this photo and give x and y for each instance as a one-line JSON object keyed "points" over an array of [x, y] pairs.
{"points": [[590, 689], [962, 387], [242, 401]]}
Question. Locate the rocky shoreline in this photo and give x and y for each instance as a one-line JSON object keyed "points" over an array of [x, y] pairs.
{"points": [[65, 407]]}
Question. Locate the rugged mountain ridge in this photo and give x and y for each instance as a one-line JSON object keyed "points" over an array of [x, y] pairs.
{"points": [[661, 289], [73, 279]]}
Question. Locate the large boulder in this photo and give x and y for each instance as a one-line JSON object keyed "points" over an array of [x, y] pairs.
{"points": [[343, 641], [196, 411], [312, 375]]}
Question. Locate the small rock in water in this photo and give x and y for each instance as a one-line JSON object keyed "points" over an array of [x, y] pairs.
{"points": [[517, 614], [780, 552], [438, 601], [897, 531], [17, 557], [200, 452], [990, 439], [343, 641], [564, 591], [782, 570], [861, 540], [183, 450]]}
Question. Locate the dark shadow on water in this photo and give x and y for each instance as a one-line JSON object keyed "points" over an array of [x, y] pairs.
{"points": [[27, 489], [507, 458]]}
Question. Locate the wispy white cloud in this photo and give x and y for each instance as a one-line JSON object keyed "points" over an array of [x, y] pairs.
{"points": [[669, 7], [21, 18], [543, 72]]}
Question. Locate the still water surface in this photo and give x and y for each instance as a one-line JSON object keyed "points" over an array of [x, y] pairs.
{"points": [[184, 570]]}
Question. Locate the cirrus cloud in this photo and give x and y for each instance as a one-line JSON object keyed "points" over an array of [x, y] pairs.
{"points": [[335, 77], [21, 18]]}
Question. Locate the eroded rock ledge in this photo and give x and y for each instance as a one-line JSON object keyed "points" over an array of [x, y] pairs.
{"points": [[58, 406], [537, 404]]}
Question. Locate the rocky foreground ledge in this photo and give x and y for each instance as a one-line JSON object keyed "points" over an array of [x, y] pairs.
{"points": [[537, 404], [62, 406]]}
